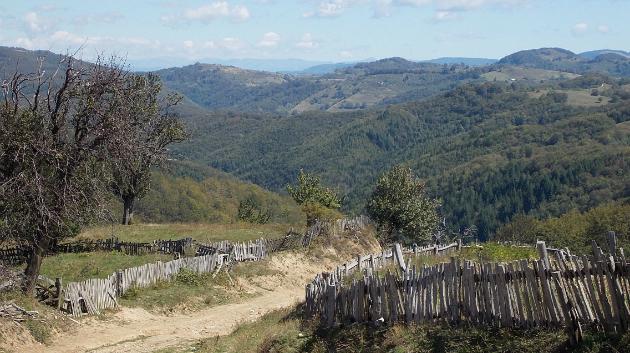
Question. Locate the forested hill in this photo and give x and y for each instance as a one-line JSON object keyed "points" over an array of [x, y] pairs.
{"points": [[487, 150], [363, 85], [610, 62]]}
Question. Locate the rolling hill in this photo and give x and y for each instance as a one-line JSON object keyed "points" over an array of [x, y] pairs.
{"points": [[609, 62], [488, 150]]}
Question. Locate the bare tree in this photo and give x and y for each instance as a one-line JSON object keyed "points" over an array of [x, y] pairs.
{"points": [[58, 134], [152, 127]]}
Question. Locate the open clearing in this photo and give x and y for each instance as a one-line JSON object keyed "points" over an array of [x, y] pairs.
{"points": [[138, 330]]}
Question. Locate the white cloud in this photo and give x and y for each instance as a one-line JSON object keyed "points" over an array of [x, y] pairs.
{"points": [[381, 8], [346, 54], [444, 15], [105, 17], [189, 44], [307, 42], [210, 12], [603, 29], [332, 8], [269, 40], [34, 24], [579, 28], [231, 44]]}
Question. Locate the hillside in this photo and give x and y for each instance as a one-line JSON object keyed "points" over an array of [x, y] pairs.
{"points": [[608, 62], [489, 151], [185, 192], [358, 86]]}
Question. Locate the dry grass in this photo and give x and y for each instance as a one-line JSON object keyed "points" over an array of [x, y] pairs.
{"points": [[198, 231]]}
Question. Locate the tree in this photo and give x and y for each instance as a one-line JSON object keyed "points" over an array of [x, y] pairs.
{"points": [[250, 210], [401, 208], [317, 201], [58, 134], [151, 127]]}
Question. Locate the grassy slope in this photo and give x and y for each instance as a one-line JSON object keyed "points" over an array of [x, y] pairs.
{"points": [[188, 192], [203, 232]]}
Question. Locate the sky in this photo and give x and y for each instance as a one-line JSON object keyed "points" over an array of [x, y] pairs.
{"points": [[319, 30]]}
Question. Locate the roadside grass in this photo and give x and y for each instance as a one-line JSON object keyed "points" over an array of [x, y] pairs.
{"points": [[284, 331], [190, 291], [81, 266], [147, 232]]}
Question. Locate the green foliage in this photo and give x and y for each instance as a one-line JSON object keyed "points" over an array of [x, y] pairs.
{"points": [[187, 192], [189, 277], [573, 229], [400, 207], [317, 201], [250, 211], [309, 190], [488, 151]]}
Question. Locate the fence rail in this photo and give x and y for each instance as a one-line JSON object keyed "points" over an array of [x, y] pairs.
{"points": [[560, 290]]}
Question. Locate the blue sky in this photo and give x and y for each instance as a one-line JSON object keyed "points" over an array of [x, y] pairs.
{"points": [[329, 30]]}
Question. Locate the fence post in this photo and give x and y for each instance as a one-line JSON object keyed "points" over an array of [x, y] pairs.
{"points": [[612, 243], [542, 252], [59, 290], [119, 278], [399, 257]]}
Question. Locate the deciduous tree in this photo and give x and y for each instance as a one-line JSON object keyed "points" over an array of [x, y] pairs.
{"points": [[401, 208]]}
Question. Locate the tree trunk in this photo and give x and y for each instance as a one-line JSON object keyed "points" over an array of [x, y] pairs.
{"points": [[128, 201], [31, 273]]}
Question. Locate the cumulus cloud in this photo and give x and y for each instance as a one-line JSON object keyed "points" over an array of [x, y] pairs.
{"points": [[189, 44], [307, 42], [603, 29], [332, 8], [346, 54], [210, 12], [269, 40], [444, 15], [444, 9], [104, 17], [34, 23], [579, 28]]}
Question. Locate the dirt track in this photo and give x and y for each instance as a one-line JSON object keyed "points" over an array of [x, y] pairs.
{"points": [[136, 330]]}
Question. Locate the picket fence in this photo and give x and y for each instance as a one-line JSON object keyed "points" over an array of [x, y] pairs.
{"points": [[561, 290], [93, 295]]}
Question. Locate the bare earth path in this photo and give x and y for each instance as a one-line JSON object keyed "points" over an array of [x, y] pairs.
{"points": [[137, 330]]}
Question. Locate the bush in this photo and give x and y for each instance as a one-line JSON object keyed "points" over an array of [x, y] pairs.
{"points": [[189, 277]]}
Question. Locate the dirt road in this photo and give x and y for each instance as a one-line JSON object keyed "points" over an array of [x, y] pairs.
{"points": [[137, 330]]}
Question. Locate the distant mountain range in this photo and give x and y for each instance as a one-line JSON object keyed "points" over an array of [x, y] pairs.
{"points": [[294, 66], [465, 61], [342, 87]]}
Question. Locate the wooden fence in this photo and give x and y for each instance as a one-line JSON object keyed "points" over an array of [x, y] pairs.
{"points": [[561, 290], [92, 295], [18, 255]]}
